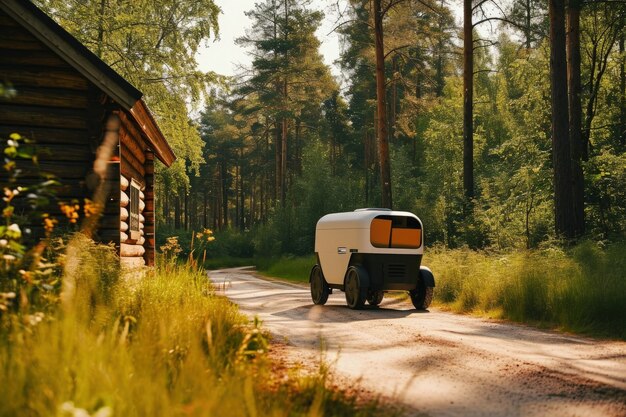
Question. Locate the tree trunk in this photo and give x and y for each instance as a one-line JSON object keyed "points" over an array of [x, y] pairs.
{"points": [[237, 218], [527, 29], [366, 168], [205, 210], [177, 213], [242, 221], [224, 194], [599, 62], [393, 108], [298, 146], [468, 101], [166, 209], [186, 211], [622, 88], [278, 153], [561, 154], [333, 170], [215, 208], [440, 80], [283, 168], [383, 140], [575, 116], [100, 43]]}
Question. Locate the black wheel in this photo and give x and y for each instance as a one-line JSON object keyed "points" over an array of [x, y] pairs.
{"points": [[374, 298], [355, 286], [422, 296], [319, 287]]}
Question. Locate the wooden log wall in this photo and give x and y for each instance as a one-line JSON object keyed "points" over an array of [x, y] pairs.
{"points": [[133, 158], [63, 112], [131, 251], [149, 216], [51, 107]]}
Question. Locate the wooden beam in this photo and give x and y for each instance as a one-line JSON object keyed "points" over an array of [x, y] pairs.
{"points": [[132, 263], [46, 135], [127, 250], [129, 124], [22, 57], [124, 200], [129, 145], [51, 97], [43, 116], [32, 46], [64, 153], [45, 77], [67, 170], [124, 183], [129, 170], [7, 21], [123, 214], [157, 141]]}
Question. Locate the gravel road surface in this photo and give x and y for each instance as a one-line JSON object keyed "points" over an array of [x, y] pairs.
{"points": [[437, 363]]}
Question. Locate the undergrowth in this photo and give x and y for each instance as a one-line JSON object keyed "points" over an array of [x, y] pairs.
{"points": [[164, 344], [295, 269], [581, 290]]}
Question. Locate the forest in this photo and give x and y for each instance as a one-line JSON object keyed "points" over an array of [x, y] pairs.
{"points": [[500, 123]]}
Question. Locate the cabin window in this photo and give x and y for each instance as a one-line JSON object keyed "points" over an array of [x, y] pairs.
{"points": [[400, 232], [135, 234]]}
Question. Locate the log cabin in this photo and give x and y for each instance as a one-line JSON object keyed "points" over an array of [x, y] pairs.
{"points": [[97, 133]]}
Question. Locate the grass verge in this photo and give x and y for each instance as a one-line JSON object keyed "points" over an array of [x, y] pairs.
{"points": [[581, 290], [164, 345], [295, 269]]}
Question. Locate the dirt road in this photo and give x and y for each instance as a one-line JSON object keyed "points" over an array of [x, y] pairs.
{"points": [[438, 363]]}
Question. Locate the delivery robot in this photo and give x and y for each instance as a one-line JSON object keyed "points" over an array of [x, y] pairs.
{"points": [[368, 252]]}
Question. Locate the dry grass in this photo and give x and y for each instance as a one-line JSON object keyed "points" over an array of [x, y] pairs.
{"points": [[581, 290], [165, 345]]}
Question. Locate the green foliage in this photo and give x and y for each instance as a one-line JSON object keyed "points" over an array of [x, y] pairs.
{"points": [[579, 290], [313, 195], [27, 270], [6, 90], [606, 193], [203, 245]]}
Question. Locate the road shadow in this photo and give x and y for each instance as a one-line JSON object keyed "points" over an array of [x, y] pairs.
{"points": [[520, 334], [343, 314]]}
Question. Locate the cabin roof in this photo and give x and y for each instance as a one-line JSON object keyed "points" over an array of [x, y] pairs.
{"points": [[91, 67]]}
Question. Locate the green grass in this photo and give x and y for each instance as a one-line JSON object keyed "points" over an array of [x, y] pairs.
{"points": [[581, 290], [294, 269], [290, 268], [163, 345], [227, 262]]}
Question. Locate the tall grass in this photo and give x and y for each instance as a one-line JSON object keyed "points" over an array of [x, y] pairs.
{"points": [[581, 290], [163, 345]]}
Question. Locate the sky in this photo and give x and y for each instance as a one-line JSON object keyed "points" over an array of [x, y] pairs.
{"points": [[224, 57]]}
